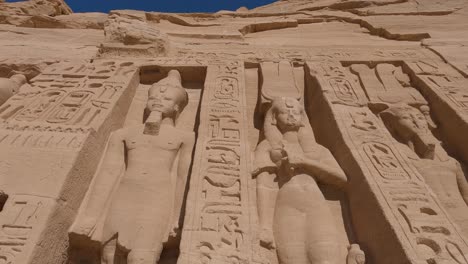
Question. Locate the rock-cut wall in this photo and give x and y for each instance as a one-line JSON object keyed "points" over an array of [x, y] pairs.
{"points": [[299, 132]]}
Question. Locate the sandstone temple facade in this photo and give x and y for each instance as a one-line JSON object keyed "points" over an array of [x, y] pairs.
{"points": [[300, 132]]}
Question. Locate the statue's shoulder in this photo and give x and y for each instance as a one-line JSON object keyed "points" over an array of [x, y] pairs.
{"points": [[263, 146], [181, 134], [123, 133], [187, 136]]}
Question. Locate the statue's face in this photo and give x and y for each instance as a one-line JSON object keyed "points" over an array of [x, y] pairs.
{"points": [[411, 122], [289, 116], [165, 101]]}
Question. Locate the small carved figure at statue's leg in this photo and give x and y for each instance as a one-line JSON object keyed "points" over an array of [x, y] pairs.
{"points": [[108, 252]]}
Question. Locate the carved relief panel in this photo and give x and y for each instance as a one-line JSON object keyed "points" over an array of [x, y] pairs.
{"points": [[69, 94], [56, 122], [416, 216], [385, 84], [217, 225]]}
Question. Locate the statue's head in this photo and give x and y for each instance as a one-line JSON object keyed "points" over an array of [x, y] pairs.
{"points": [[287, 114], [19, 78], [168, 96], [411, 126], [405, 121]]}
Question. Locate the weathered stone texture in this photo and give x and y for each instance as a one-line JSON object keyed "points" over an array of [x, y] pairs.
{"points": [[299, 132]]}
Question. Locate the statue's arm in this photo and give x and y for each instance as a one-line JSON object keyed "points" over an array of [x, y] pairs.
{"points": [[325, 168], [462, 182], [185, 159], [112, 166], [262, 159], [267, 190], [326, 173]]}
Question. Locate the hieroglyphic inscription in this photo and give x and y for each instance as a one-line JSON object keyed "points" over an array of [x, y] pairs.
{"points": [[422, 224], [217, 225], [21, 214], [385, 161], [451, 88], [257, 55], [37, 136], [55, 123], [426, 226], [387, 84], [65, 95], [186, 60], [341, 86]]}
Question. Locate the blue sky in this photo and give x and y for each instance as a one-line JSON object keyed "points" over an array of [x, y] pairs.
{"points": [[162, 5]]}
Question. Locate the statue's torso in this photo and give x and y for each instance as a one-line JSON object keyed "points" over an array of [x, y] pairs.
{"points": [[144, 197], [151, 157], [440, 175]]}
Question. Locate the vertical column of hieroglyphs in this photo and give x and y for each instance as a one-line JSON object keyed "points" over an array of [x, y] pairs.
{"points": [[216, 228], [51, 136], [396, 216], [447, 93]]}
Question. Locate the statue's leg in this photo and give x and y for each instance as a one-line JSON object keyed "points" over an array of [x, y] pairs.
{"points": [[108, 252], [289, 227], [323, 245], [146, 251]]}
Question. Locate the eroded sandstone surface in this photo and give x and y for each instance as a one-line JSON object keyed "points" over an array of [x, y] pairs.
{"points": [[300, 132]]}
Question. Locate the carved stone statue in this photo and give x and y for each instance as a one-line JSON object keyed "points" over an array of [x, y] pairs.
{"points": [[443, 174], [293, 213], [10, 86], [133, 194]]}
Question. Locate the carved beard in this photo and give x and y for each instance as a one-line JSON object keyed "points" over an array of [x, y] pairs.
{"points": [[153, 123], [424, 145]]}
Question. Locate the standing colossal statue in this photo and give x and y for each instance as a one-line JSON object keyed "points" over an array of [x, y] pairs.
{"points": [[444, 174], [293, 214], [134, 199]]}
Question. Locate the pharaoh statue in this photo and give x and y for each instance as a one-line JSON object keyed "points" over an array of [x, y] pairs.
{"points": [[10, 86], [293, 214], [134, 203], [412, 128]]}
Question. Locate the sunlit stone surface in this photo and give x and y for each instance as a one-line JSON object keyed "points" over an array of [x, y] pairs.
{"points": [[300, 132]]}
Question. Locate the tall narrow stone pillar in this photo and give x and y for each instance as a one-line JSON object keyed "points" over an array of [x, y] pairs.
{"points": [[217, 227], [396, 216], [51, 138]]}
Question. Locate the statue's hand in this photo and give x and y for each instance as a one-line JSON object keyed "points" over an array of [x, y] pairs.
{"points": [[266, 238], [175, 230], [277, 155], [295, 159], [86, 226]]}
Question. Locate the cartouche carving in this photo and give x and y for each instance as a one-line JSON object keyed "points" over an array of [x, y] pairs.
{"points": [[134, 181], [293, 213], [442, 173]]}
